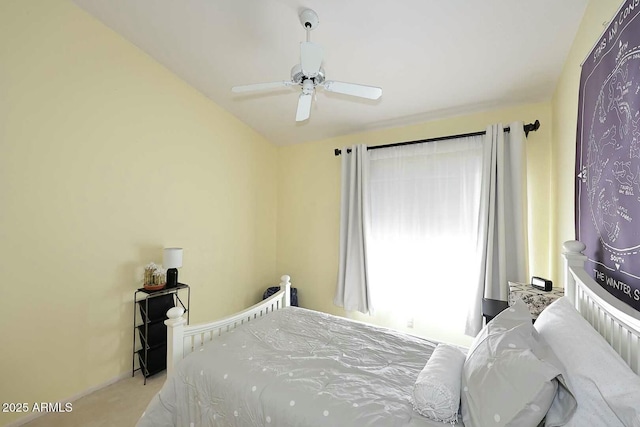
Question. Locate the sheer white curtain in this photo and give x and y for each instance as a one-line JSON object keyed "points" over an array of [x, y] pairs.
{"points": [[422, 244], [502, 231], [353, 278], [428, 229]]}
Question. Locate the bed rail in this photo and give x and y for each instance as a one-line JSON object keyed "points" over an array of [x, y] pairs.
{"points": [[617, 322], [183, 339]]}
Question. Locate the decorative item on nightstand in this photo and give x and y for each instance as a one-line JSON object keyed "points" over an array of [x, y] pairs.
{"points": [[154, 277], [172, 260]]}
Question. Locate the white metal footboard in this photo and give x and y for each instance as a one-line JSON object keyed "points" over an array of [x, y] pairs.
{"points": [[182, 339], [617, 322]]}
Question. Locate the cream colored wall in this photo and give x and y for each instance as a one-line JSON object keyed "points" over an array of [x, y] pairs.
{"points": [[105, 158], [565, 119], [309, 202]]}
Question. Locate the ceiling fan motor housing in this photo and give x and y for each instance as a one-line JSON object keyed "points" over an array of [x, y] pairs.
{"points": [[297, 76]]}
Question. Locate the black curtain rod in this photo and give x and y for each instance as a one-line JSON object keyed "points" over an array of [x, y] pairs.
{"points": [[531, 127]]}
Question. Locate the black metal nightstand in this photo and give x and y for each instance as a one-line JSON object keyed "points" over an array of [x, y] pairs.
{"points": [[148, 320], [492, 307]]}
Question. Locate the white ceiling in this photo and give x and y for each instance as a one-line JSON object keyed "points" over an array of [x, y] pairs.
{"points": [[432, 58]]}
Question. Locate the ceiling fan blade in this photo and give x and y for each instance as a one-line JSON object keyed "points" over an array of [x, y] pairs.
{"points": [[260, 86], [304, 107], [370, 92], [310, 58]]}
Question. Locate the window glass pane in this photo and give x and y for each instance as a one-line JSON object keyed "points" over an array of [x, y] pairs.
{"points": [[424, 218]]}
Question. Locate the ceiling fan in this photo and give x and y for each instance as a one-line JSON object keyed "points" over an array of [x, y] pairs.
{"points": [[309, 74]]}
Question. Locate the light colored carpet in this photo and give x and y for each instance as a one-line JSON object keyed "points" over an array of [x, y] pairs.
{"points": [[118, 405]]}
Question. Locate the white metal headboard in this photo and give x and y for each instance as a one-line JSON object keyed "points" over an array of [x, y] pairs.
{"points": [[616, 321], [182, 339]]}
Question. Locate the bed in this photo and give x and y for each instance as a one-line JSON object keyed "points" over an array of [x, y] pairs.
{"points": [[273, 364]]}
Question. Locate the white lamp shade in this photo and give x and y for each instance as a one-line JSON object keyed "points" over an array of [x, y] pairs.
{"points": [[172, 258]]}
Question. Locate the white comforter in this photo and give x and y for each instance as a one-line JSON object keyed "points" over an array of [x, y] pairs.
{"points": [[296, 367]]}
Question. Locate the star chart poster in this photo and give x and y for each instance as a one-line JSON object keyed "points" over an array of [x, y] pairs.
{"points": [[608, 157]]}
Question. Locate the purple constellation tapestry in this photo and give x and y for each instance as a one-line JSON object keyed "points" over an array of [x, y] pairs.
{"points": [[608, 157]]}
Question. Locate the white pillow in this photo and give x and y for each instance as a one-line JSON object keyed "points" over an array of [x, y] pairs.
{"points": [[507, 379], [607, 391], [436, 393]]}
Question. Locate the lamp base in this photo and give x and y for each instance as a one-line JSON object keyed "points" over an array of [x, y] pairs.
{"points": [[172, 278]]}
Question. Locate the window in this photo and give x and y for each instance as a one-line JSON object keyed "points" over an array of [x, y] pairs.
{"points": [[425, 202]]}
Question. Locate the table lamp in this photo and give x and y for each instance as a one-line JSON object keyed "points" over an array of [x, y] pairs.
{"points": [[172, 260]]}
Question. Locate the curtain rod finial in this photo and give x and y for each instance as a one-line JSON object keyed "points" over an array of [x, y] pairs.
{"points": [[337, 151], [531, 127]]}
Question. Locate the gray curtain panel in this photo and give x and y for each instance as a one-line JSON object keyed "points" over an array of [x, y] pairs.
{"points": [[353, 278], [502, 229]]}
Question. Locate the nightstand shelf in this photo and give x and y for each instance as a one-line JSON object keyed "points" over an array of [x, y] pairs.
{"points": [[149, 330]]}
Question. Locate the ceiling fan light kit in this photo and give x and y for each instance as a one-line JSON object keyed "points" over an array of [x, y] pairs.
{"points": [[309, 74]]}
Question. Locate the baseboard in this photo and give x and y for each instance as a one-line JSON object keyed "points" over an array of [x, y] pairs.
{"points": [[32, 416]]}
